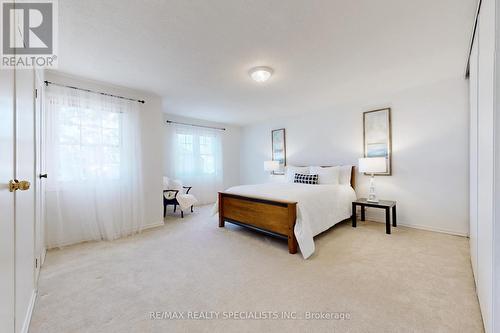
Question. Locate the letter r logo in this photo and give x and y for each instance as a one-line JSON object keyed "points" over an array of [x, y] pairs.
{"points": [[27, 27]]}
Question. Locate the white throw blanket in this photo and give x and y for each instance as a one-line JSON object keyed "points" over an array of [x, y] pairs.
{"points": [[319, 207], [185, 200]]}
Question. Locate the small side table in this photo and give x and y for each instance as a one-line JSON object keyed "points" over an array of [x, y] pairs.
{"points": [[384, 204]]}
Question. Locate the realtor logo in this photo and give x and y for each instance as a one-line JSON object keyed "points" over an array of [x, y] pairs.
{"points": [[29, 33]]}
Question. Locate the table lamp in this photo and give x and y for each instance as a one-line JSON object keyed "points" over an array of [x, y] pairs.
{"points": [[372, 165], [271, 166]]}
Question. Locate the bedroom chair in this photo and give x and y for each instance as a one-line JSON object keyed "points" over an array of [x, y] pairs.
{"points": [[173, 195]]}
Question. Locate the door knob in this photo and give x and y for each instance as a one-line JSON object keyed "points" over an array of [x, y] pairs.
{"points": [[22, 185]]}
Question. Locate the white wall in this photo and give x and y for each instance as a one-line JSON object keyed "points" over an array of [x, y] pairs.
{"points": [[152, 143], [496, 239], [430, 155], [230, 147]]}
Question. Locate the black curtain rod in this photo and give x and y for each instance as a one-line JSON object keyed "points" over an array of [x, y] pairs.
{"points": [[176, 122], [94, 92], [471, 43]]}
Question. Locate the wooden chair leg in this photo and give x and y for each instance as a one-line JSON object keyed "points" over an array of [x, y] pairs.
{"points": [[175, 208], [191, 209], [164, 210], [182, 214]]}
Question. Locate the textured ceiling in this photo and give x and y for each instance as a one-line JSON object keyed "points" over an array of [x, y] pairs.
{"points": [[196, 53]]}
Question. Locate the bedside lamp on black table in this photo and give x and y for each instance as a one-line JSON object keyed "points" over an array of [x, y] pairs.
{"points": [[372, 165]]}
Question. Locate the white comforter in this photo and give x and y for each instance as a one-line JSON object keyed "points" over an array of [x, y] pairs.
{"points": [[319, 207]]}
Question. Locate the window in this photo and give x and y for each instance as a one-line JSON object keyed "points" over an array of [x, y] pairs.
{"points": [[196, 154], [195, 158], [207, 155], [186, 153], [93, 151], [89, 143]]}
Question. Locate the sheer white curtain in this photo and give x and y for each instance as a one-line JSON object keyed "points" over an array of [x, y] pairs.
{"points": [[94, 188], [195, 157]]}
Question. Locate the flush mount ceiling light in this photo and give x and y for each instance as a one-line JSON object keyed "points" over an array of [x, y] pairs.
{"points": [[261, 73]]}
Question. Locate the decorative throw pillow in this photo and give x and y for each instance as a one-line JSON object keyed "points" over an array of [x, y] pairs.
{"points": [[305, 179], [291, 170]]}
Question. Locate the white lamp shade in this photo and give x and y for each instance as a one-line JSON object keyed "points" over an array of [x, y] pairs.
{"points": [[372, 165], [271, 165]]}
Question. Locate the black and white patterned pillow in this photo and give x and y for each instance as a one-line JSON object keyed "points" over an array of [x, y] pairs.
{"points": [[305, 179]]}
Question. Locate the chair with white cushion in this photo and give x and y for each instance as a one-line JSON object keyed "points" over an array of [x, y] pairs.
{"points": [[174, 193]]}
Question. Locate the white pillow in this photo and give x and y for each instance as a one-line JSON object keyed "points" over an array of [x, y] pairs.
{"points": [[328, 175], [345, 174], [166, 183], [291, 170], [175, 184]]}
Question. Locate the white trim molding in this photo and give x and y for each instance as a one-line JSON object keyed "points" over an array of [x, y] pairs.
{"points": [[378, 219], [496, 190], [29, 312], [153, 225], [130, 233]]}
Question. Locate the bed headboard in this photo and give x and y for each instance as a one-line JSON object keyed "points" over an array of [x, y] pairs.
{"points": [[353, 177]]}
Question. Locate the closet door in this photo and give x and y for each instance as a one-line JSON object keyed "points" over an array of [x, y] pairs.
{"points": [[25, 199], [17, 204], [40, 176], [473, 91], [6, 201]]}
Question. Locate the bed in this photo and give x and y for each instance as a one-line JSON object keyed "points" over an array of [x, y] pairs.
{"points": [[295, 212]]}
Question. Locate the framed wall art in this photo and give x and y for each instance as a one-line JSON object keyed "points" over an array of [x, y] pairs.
{"points": [[278, 142], [377, 136]]}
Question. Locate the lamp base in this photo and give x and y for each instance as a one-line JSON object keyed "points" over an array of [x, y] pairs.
{"points": [[372, 197]]}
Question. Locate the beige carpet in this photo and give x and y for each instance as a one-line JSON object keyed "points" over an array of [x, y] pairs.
{"points": [[410, 281]]}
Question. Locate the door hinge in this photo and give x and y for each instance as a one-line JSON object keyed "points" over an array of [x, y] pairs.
{"points": [[36, 263], [36, 93]]}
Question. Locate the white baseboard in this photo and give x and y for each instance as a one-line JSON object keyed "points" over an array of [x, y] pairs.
{"points": [[44, 254], [69, 243], [153, 225], [29, 313], [417, 226]]}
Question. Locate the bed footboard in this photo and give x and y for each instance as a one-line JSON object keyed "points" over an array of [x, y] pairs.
{"points": [[269, 216]]}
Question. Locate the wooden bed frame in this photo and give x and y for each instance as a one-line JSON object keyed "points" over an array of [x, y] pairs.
{"points": [[273, 217]]}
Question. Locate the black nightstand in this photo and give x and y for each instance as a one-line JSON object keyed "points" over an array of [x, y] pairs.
{"points": [[385, 204]]}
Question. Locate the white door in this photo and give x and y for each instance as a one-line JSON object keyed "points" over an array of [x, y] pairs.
{"points": [[25, 200], [17, 151], [40, 177], [6, 201], [17, 208]]}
